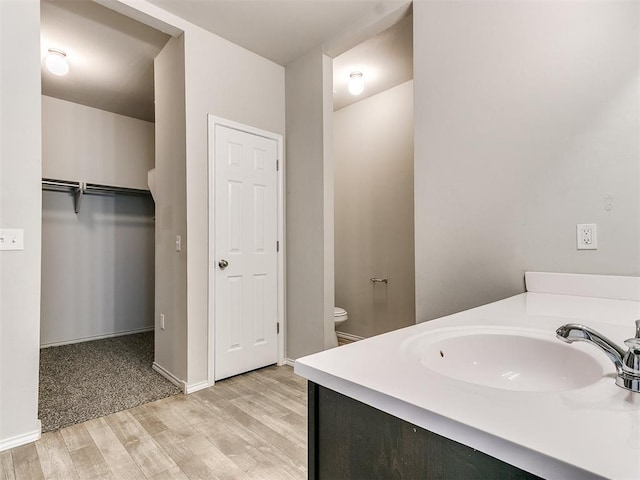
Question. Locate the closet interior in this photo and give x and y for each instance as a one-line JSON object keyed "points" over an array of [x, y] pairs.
{"points": [[98, 233]]}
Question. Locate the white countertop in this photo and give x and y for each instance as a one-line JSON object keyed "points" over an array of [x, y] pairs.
{"points": [[589, 432]]}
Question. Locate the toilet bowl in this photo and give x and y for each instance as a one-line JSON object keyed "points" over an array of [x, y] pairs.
{"points": [[339, 317]]}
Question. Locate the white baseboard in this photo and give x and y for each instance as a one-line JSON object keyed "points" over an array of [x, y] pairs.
{"points": [[349, 337], [186, 388], [97, 337], [23, 439], [195, 387], [169, 376], [289, 361]]}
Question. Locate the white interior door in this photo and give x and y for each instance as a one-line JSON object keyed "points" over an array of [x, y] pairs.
{"points": [[245, 258]]}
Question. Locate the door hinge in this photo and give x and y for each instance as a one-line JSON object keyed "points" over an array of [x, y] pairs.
{"points": [[278, 328], [277, 165], [277, 245]]}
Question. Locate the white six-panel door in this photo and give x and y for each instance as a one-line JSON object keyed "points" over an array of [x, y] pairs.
{"points": [[245, 257]]}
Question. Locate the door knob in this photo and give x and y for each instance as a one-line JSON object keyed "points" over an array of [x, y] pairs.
{"points": [[223, 264]]}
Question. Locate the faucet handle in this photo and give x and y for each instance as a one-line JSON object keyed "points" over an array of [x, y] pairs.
{"points": [[633, 344], [631, 363]]}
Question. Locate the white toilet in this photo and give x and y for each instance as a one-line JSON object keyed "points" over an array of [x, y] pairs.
{"points": [[339, 317]]}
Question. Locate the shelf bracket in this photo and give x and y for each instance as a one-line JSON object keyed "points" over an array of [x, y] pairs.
{"points": [[78, 194]]}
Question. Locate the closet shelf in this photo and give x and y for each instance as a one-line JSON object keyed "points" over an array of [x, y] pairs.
{"points": [[79, 189]]}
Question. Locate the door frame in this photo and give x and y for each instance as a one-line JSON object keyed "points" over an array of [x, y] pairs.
{"points": [[212, 121]]}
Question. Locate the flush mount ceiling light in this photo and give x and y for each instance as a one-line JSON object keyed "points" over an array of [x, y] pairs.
{"points": [[56, 62], [356, 83]]}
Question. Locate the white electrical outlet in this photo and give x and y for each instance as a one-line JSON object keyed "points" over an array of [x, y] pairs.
{"points": [[587, 236], [11, 239], [162, 321]]}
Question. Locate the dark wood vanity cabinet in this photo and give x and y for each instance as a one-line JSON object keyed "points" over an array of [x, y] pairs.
{"points": [[351, 440]]}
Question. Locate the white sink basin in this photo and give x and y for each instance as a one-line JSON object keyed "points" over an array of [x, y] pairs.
{"points": [[504, 358]]}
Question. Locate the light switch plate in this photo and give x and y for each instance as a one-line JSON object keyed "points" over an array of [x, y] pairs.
{"points": [[11, 239]]}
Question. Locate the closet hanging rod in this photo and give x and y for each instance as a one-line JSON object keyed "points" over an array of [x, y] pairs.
{"points": [[91, 188], [97, 189], [81, 188], [59, 185]]}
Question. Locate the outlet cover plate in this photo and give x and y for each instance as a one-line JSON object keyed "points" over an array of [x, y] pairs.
{"points": [[587, 236], [11, 239]]}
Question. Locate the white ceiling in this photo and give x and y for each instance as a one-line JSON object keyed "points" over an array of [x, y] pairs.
{"points": [[111, 55], [280, 30]]}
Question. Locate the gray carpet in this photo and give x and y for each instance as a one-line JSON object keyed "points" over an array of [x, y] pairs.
{"points": [[88, 380]]}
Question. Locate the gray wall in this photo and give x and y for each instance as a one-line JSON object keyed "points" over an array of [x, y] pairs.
{"points": [[309, 210], [97, 265], [20, 207], [228, 81], [373, 141], [526, 117], [328, 201], [171, 209], [95, 146], [225, 80]]}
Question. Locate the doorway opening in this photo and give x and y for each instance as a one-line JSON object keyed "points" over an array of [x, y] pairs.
{"points": [[98, 215], [373, 184]]}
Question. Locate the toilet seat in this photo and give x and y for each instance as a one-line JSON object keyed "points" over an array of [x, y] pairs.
{"points": [[339, 317]]}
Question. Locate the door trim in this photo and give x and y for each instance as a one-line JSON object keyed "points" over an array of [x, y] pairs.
{"points": [[212, 121]]}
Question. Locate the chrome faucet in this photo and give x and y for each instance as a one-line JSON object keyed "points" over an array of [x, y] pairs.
{"points": [[627, 362]]}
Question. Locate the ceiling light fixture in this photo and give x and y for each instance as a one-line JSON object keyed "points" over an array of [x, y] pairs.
{"points": [[356, 83], [56, 62]]}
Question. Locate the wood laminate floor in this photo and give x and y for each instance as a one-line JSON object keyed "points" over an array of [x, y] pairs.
{"points": [[253, 426]]}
